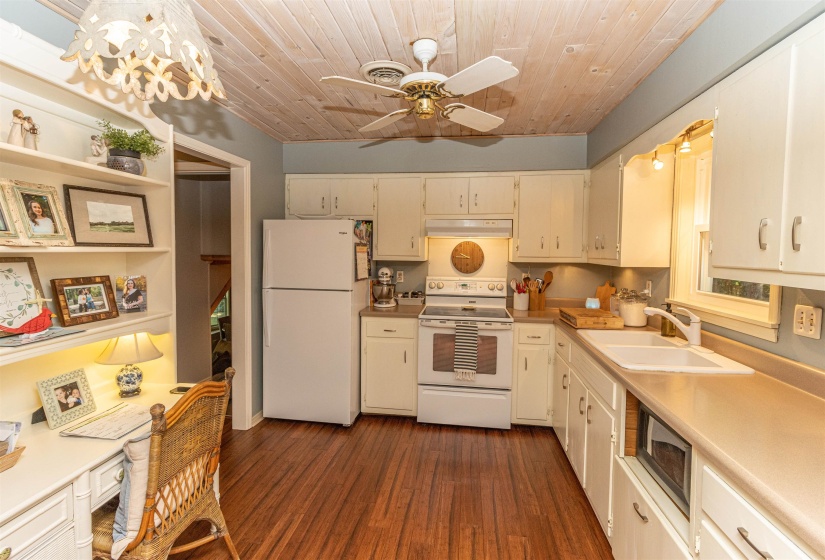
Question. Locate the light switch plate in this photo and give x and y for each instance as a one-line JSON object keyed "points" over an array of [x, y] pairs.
{"points": [[807, 321]]}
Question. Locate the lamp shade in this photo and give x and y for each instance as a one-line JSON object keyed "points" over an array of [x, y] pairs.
{"points": [[129, 349]]}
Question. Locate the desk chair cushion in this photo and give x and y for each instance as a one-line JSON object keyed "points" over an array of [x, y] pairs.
{"points": [[132, 493]]}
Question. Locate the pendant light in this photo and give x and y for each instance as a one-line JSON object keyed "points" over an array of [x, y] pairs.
{"points": [[684, 148], [657, 163], [145, 37]]}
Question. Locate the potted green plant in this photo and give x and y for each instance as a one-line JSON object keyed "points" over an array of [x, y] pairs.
{"points": [[125, 150]]}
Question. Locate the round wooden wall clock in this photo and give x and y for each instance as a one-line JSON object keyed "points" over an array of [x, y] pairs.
{"points": [[467, 257]]}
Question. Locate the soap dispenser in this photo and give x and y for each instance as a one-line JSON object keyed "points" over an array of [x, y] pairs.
{"points": [[667, 328]]}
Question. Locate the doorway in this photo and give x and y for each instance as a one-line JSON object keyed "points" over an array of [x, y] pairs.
{"points": [[213, 259]]}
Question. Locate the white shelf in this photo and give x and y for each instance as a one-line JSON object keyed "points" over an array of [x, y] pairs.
{"points": [[155, 323], [74, 249], [57, 164]]}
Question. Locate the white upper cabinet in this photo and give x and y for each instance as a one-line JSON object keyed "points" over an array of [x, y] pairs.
{"points": [[492, 195], [550, 218], [487, 195], [308, 197], [768, 201], [399, 229], [446, 195], [353, 197], [603, 222]]}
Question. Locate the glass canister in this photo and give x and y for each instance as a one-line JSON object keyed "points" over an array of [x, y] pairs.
{"points": [[632, 309], [615, 298]]}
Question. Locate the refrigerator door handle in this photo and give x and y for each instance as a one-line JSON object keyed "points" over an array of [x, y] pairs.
{"points": [[266, 318]]}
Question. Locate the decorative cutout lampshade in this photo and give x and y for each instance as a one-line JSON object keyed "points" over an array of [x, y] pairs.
{"points": [[126, 351], [146, 37]]}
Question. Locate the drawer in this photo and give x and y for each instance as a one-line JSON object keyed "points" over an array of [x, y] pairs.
{"points": [[600, 382], [739, 520], [387, 328], [563, 345], [37, 523], [534, 335], [106, 480], [60, 547]]}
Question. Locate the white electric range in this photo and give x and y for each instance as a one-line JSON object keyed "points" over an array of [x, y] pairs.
{"points": [[482, 399]]}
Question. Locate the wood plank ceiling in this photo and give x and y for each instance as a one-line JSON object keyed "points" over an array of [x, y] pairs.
{"points": [[577, 58]]}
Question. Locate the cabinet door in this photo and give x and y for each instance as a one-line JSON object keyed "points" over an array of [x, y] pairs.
{"points": [[532, 383], [534, 206], [560, 394], [566, 215], [803, 223], [446, 195], [576, 425], [352, 197], [749, 164], [492, 195], [390, 373], [598, 480], [603, 218], [625, 518], [309, 197], [398, 231]]}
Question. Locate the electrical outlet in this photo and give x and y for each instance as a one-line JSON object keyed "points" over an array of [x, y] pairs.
{"points": [[649, 287], [807, 321], [399, 276]]}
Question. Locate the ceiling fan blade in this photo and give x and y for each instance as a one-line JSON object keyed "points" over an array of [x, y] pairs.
{"points": [[386, 120], [482, 74], [472, 118], [340, 81]]}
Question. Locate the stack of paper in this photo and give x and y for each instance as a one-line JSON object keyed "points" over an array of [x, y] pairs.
{"points": [[9, 432]]}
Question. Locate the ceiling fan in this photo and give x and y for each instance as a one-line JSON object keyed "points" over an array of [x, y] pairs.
{"points": [[425, 89]]}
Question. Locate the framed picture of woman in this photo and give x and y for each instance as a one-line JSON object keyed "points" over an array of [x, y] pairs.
{"points": [[37, 213], [131, 294], [8, 231]]}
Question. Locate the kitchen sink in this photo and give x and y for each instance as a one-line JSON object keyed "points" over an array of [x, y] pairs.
{"points": [[648, 351]]}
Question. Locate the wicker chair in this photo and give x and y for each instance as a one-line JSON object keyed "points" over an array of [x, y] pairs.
{"points": [[183, 456]]}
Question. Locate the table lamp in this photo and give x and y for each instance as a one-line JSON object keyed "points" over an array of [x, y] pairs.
{"points": [[127, 351]]}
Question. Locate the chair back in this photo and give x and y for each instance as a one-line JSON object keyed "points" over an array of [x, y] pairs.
{"points": [[184, 453]]}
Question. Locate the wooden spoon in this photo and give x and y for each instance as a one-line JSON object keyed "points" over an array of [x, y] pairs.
{"points": [[548, 278]]}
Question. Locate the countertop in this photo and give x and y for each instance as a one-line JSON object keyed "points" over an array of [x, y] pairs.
{"points": [[549, 315], [765, 436], [397, 312]]}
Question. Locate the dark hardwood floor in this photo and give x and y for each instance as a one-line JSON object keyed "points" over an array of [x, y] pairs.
{"points": [[390, 488]]}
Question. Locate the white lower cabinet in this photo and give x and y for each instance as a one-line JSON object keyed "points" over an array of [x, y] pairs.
{"points": [[39, 527], [640, 529], [561, 398], [532, 372], [389, 369], [576, 425]]}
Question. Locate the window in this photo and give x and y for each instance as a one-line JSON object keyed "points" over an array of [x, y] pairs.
{"points": [[222, 310], [746, 307]]}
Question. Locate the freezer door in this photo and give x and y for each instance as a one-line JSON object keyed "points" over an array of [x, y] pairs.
{"points": [[309, 254], [308, 371]]}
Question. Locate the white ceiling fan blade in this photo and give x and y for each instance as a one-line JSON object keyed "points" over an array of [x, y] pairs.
{"points": [[386, 120], [340, 81], [472, 118], [482, 74]]}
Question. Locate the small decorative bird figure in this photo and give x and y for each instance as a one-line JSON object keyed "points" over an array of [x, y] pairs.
{"points": [[36, 325]]}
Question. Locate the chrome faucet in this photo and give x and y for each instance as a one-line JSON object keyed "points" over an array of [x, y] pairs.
{"points": [[693, 333]]}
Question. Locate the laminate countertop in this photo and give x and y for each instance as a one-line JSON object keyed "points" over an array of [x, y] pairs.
{"points": [[397, 312], [766, 436]]}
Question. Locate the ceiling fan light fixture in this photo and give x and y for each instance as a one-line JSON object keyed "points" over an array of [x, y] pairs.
{"points": [[384, 72], [145, 38], [424, 108]]}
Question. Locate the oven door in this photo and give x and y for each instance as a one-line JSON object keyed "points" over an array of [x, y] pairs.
{"points": [[436, 352]]}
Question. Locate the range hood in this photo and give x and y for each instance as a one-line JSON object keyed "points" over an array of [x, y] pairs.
{"points": [[469, 228]]}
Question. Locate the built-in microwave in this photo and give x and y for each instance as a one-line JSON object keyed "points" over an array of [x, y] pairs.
{"points": [[666, 456]]}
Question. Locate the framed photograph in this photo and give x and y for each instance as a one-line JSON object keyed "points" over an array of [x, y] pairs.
{"points": [[66, 397], [19, 287], [37, 214], [101, 218], [8, 231], [132, 296], [84, 300]]}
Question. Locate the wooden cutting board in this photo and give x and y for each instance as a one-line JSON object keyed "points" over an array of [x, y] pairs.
{"points": [[582, 318], [604, 293]]}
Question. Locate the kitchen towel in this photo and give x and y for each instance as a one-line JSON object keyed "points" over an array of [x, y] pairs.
{"points": [[466, 351]]}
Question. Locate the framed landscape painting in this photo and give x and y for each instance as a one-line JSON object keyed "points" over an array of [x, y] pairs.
{"points": [[102, 218]]}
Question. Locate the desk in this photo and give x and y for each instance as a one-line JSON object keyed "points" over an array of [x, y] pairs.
{"points": [[47, 498]]}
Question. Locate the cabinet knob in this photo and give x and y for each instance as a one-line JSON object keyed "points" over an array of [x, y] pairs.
{"points": [[5, 553], [119, 475]]}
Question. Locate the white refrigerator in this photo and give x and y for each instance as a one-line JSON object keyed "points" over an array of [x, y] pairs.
{"points": [[311, 301]]}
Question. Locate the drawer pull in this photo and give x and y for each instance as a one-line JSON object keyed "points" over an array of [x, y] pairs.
{"points": [[744, 534], [639, 513], [560, 344], [762, 224], [5, 553], [796, 222], [389, 330], [581, 402], [525, 363], [119, 475], [405, 356], [532, 336], [563, 379]]}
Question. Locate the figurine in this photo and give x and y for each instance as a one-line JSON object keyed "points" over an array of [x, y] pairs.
{"points": [[99, 151], [17, 131], [32, 130]]}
